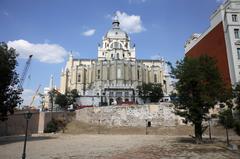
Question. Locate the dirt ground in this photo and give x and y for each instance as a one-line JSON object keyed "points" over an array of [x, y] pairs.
{"points": [[66, 146], [89, 141]]}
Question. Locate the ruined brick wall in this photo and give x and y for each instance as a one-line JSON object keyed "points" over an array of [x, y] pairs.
{"points": [[159, 115]]}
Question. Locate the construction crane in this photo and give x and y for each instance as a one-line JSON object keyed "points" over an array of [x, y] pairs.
{"points": [[34, 96], [24, 73]]}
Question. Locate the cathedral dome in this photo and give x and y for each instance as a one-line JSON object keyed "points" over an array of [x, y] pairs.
{"points": [[115, 32]]}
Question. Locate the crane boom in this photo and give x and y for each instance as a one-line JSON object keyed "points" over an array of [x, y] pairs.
{"points": [[34, 96], [24, 73]]}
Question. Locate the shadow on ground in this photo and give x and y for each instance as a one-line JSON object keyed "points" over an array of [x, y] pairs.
{"points": [[13, 139]]}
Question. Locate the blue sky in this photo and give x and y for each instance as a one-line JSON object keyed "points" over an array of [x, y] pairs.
{"points": [[49, 29]]}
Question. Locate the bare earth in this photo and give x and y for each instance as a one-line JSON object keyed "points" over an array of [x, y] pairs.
{"points": [[66, 146]]}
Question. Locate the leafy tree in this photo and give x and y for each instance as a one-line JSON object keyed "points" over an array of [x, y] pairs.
{"points": [[226, 118], [199, 88], [65, 100], [52, 95], [62, 101], [150, 91], [72, 95], [42, 100], [9, 92]]}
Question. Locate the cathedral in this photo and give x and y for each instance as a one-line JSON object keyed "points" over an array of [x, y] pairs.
{"points": [[113, 77]]}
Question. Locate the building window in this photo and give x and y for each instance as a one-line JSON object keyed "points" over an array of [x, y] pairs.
{"points": [[119, 72], [117, 55], [79, 78], [236, 33], [155, 78], [115, 45], [103, 53], [138, 74], [123, 55], [111, 55], [238, 53], [234, 18], [98, 74]]}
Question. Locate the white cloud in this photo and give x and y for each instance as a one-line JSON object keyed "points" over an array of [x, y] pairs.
{"points": [[89, 32], [130, 23], [136, 1], [220, 1], [27, 96], [48, 53], [156, 57]]}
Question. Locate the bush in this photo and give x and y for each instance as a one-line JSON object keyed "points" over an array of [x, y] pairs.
{"points": [[226, 118], [55, 125], [51, 126], [237, 127]]}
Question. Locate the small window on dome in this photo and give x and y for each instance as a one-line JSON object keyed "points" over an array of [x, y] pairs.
{"points": [[116, 33], [115, 44]]}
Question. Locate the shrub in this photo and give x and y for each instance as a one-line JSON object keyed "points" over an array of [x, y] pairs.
{"points": [[237, 127], [226, 118], [55, 125]]}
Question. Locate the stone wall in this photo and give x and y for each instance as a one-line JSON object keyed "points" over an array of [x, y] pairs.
{"points": [[137, 115], [16, 123]]}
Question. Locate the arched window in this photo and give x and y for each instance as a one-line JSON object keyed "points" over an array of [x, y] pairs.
{"points": [[117, 55], [138, 74], [155, 78], [79, 78], [98, 74], [115, 45]]}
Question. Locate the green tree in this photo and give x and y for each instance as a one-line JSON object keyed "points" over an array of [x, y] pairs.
{"points": [[52, 95], [150, 91], [9, 92], [72, 96], [62, 101], [199, 88]]}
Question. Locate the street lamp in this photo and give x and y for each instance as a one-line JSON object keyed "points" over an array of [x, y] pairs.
{"points": [[27, 116]]}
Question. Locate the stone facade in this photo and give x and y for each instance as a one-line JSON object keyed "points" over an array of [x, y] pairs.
{"points": [[136, 115], [114, 76]]}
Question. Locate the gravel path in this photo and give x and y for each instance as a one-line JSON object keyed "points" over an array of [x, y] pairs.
{"points": [[62, 146]]}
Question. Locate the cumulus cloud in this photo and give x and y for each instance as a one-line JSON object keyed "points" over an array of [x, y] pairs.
{"points": [[27, 96], [47, 53], [130, 23], [89, 32]]}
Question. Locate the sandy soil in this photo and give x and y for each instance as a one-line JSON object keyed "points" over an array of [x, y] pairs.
{"points": [[66, 146]]}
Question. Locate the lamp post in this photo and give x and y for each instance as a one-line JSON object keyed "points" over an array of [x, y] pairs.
{"points": [[146, 126], [27, 116], [209, 130]]}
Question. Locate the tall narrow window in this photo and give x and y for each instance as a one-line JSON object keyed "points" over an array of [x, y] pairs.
{"points": [[117, 55], [155, 78], [234, 18], [236, 33], [79, 78], [238, 53], [98, 74], [138, 74]]}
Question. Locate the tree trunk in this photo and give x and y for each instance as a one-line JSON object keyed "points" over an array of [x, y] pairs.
{"points": [[198, 132]]}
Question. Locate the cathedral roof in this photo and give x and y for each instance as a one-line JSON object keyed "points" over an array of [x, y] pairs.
{"points": [[116, 32]]}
